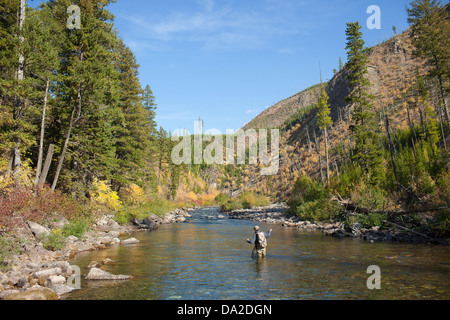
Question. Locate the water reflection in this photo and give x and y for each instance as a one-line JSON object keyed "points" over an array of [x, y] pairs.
{"points": [[209, 259]]}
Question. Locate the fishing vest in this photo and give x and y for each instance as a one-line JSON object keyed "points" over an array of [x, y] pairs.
{"points": [[261, 241]]}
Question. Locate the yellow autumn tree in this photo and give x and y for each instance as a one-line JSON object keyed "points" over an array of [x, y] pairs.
{"points": [[104, 196], [133, 195]]}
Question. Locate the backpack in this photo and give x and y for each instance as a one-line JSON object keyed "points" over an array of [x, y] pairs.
{"points": [[261, 241]]}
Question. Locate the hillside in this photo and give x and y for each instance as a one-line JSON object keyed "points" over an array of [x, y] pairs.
{"points": [[274, 116], [391, 71]]}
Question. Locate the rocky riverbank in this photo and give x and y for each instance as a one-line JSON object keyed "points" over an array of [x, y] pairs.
{"points": [[40, 274], [277, 214]]}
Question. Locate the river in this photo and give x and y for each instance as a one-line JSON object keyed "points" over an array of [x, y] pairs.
{"points": [[207, 258]]}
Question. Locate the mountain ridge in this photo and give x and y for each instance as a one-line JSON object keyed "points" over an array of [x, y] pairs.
{"points": [[391, 71]]}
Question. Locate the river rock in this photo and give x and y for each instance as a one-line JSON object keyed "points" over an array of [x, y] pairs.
{"points": [[150, 224], [36, 293], [168, 219], [62, 289], [60, 223], [72, 239], [106, 240], [130, 241], [22, 282], [47, 273], [113, 234], [97, 274], [108, 261], [107, 225], [38, 230], [341, 233], [93, 264], [83, 247], [63, 265], [55, 280], [3, 279], [180, 219], [12, 278]]}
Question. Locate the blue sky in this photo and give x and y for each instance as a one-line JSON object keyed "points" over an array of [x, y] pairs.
{"points": [[228, 60]]}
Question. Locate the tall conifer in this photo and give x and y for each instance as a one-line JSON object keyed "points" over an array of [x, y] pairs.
{"points": [[366, 150]]}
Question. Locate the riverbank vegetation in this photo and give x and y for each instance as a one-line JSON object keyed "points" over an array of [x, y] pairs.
{"points": [[246, 200]]}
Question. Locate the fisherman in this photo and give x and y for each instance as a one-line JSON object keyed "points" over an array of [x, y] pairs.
{"points": [[260, 241]]}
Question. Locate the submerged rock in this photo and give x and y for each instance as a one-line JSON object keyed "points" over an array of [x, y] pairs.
{"points": [[97, 274], [108, 261], [130, 241]]}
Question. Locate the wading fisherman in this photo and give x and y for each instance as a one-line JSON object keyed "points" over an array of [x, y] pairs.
{"points": [[260, 241]]}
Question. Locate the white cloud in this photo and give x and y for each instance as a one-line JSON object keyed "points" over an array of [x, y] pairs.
{"points": [[219, 26]]}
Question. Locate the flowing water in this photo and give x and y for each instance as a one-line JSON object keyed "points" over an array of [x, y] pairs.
{"points": [[207, 258]]}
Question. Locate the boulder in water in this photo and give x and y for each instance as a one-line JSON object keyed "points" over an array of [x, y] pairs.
{"points": [[97, 274], [130, 241]]}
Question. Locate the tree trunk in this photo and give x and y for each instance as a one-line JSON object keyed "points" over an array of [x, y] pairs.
{"points": [[10, 164], [73, 120], [428, 130], [391, 149], [16, 161], [350, 149], [320, 157], [22, 12], [413, 130], [424, 131], [337, 171], [442, 91], [327, 156], [441, 121], [41, 142], [309, 140], [48, 162]]}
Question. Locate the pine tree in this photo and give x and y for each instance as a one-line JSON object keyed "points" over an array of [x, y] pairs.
{"points": [[430, 128], [324, 121], [341, 64], [41, 65], [164, 150], [151, 106], [131, 128], [430, 26], [8, 67], [16, 132], [87, 93], [366, 150]]}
